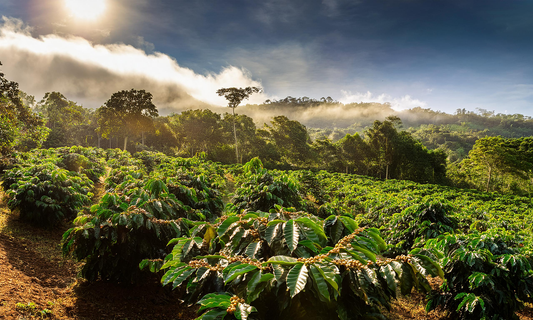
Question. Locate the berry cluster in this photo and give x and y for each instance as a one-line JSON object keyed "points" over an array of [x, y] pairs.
{"points": [[402, 258], [161, 221], [201, 263], [262, 220], [254, 233], [242, 259], [308, 261], [350, 264], [234, 304]]}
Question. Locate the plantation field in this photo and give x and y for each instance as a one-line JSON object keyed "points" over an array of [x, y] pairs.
{"points": [[148, 231]]}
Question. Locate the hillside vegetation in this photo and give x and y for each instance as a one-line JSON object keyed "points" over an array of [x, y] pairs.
{"points": [[245, 241]]}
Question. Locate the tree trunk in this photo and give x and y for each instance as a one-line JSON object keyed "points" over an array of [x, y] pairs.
{"points": [[98, 140], [488, 179], [125, 142], [387, 173], [235, 136]]}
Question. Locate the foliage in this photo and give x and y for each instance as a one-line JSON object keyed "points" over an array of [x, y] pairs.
{"points": [[485, 277], [418, 223], [283, 265], [262, 190], [20, 128], [140, 213], [46, 194], [130, 112], [235, 96], [125, 228]]}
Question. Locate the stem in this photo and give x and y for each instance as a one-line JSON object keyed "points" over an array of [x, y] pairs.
{"points": [[235, 136]]}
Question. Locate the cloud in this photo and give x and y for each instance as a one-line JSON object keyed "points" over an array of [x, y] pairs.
{"points": [[272, 11], [284, 68], [89, 73], [333, 8], [401, 103]]}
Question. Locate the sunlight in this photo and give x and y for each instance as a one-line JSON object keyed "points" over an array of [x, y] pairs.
{"points": [[86, 10]]}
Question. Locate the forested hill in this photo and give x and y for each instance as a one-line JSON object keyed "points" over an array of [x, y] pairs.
{"points": [[454, 133], [330, 115]]}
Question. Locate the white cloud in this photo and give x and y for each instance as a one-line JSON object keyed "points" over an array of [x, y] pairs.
{"points": [[401, 103], [90, 73]]}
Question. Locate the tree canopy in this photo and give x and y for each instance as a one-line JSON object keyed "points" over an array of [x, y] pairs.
{"points": [[130, 112]]}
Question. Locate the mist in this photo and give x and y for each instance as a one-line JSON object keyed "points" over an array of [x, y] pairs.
{"points": [[90, 73]]}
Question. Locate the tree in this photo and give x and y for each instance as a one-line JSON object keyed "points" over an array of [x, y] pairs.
{"points": [[235, 96], [197, 131], [130, 111], [381, 139], [68, 122], [355, 153], [291, 139], [19, 126]]}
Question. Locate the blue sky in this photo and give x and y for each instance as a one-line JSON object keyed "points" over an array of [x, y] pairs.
{"points": [[442, 55]]}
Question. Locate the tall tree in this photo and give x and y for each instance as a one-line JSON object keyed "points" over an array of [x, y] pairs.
{"points": [[197, 131], [130, 112], [235, 96], [18, 124], [355, 153], [68, 122], [492, 155], [381, 139], [291, 139]]}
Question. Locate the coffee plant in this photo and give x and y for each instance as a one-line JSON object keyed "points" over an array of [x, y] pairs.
{"points": [[486, 275], [44, 194], [125, 228], [283, 265], [419, 223], [262, 190], [291, 245]]}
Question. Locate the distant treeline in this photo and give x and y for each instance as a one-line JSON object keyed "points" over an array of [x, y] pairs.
{"points": [[420, 146]]}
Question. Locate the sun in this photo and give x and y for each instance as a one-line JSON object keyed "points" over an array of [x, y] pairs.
{"points": [[86, 9]]}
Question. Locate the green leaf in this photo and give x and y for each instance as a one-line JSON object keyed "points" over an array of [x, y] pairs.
{"points": [[252, 249], [238, 270], [369, 254], [349, 223], [388, 273], [321, 237], [182, 277], [297, 278], [375, 235], [271, 233], [407, 281], [274, 222], [226, 224], [321, 283], [291, 234], [213, 315], [310, 245], [282, 260], [173, 273], [329, 274]]}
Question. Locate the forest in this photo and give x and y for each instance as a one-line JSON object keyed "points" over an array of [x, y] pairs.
{"points": [[280, 220], [480, 150]]}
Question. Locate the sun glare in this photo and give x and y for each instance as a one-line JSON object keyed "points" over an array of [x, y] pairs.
{"points": [[86, 9]]}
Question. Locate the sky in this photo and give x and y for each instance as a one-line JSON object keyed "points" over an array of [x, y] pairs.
{"points": [[438, 54]]}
